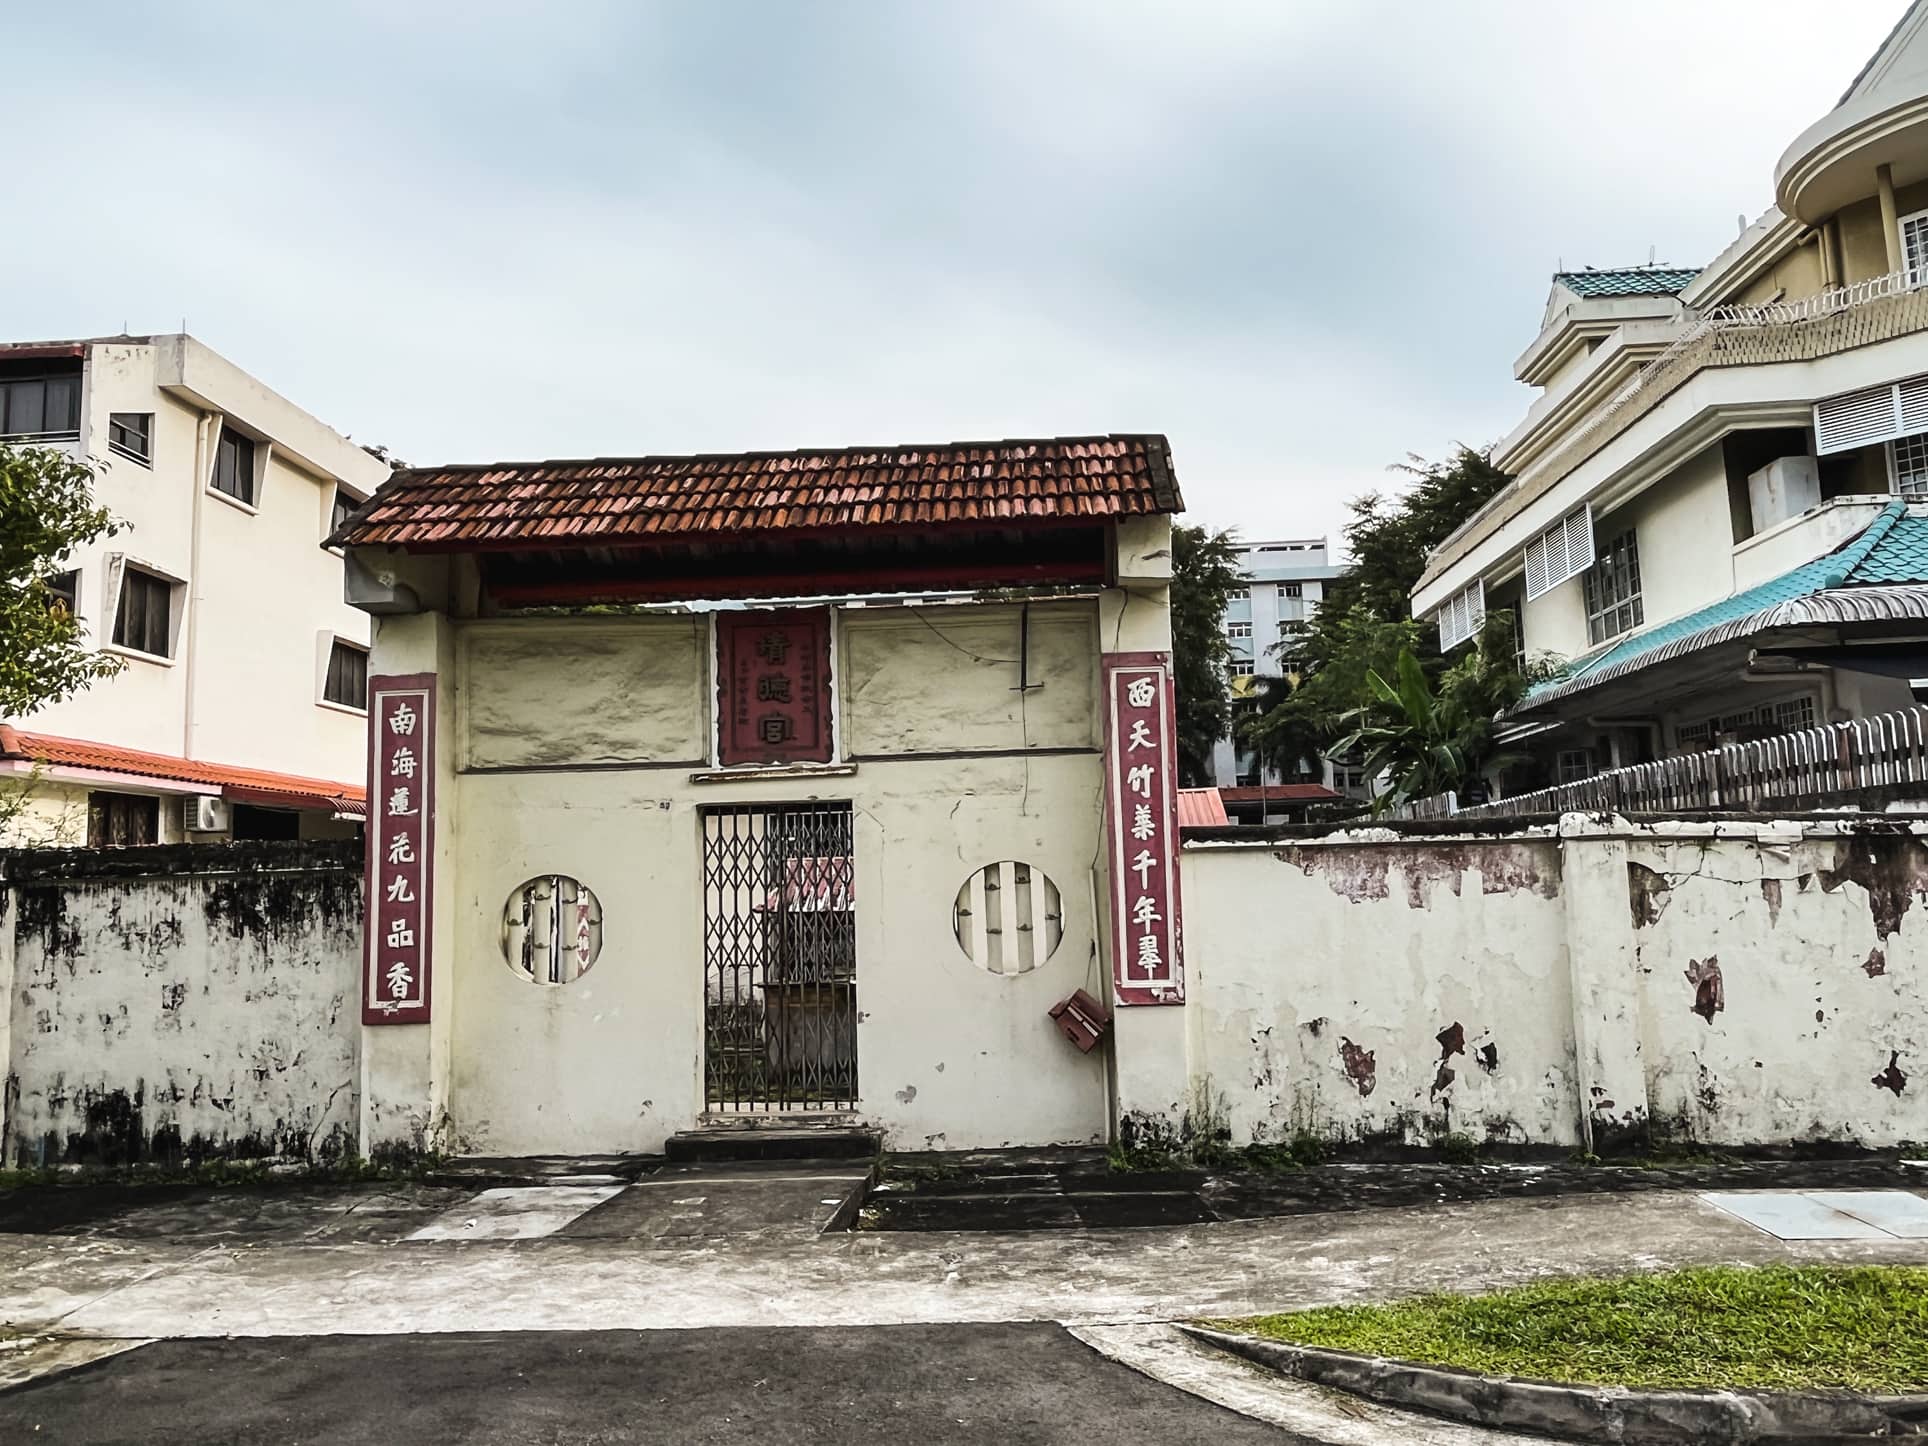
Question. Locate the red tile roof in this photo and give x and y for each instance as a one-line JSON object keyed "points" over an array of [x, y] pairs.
{"points": [[243, 785], [613, 501], [1200, 808], [1281, 793]]}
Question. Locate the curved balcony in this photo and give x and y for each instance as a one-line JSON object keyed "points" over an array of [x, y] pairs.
{"points": [[1832, 163]]}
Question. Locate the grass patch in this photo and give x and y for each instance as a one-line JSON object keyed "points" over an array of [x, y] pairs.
{"points": [[1776, 1328]]}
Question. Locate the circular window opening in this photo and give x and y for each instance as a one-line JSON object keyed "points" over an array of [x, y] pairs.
{"points": [[1008, 918], [551, 929]]}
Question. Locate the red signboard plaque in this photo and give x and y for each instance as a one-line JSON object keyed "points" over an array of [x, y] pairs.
{"points": [[773, 686], [1141, 814], [401, 836]]}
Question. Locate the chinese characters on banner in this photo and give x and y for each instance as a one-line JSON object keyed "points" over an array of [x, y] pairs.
{"points": [[401, 800], [1141, 792], [773, 687]]}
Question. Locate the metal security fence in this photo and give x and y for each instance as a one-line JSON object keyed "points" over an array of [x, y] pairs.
{"points": [[780, 958], [1837, 763]]}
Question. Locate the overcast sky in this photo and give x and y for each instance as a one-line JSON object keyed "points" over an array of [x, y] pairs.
{"points": [[1302, 239]]}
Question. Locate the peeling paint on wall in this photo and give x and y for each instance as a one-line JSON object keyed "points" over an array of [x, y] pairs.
{"points": [[1359, 1066], [1892, 1078], [1710, 994], [1365, 872], [184, 1002]]}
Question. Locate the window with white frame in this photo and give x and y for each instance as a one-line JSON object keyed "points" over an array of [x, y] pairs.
{"points": [[1791, 715], [347, 681], [1908, 464], [1244, 668], [234, 466], [1238, 630], [1613, 590], [1291, 590], [1914, 247], [131, 434], [144, 614]]}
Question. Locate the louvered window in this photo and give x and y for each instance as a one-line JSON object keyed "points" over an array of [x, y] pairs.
{"points": [[1461, 614], [1564, 550], [1879, 414], [1914, 247]]}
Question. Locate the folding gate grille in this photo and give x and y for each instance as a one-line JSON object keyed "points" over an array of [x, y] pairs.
{"points": [[780, 959]]}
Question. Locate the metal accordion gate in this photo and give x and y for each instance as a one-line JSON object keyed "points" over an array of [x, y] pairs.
{"points": [[779, 959]]}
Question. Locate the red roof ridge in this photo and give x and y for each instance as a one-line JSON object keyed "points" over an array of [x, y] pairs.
{"points": [[47, 748]]}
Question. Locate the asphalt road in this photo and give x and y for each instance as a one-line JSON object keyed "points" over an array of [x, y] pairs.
{"points": [[1016, 1385]]}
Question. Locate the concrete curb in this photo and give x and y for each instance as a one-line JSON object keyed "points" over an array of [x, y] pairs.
{"points": [[1588, 1413]]}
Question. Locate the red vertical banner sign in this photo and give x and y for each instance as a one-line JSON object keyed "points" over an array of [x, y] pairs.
{"points": [[1141, 815], [773, 686], [401, 839]]}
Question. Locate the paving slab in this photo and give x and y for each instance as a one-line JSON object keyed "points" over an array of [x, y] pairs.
{"points": [[1792, 1215], [704, 1204], [1895, 1212], [515, 1212]]}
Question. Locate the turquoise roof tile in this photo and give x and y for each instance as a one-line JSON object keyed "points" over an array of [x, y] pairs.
{"points": [[1627, 281], [1891, 549]]}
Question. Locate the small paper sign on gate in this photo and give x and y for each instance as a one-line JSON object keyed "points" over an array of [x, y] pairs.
{"points": [[1141, 812], [401, 838]]}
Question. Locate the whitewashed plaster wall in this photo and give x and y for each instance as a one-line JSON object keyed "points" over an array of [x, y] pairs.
{"points": [[597, 770], [1784, 985], [1731, 983], [180, 1002], [1386, 989]]}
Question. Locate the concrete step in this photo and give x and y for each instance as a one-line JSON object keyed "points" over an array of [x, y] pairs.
{"points": [[773, 1142]]}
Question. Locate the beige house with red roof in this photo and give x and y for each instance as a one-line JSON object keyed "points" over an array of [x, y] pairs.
{"points": [[238, 709], [819, 787]]}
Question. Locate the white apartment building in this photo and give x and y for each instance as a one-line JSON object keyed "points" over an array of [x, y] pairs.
{"points": [[239, 708], [1286, 580], [1714, 518]]}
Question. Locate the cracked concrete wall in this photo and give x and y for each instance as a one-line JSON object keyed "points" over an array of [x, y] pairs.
{"points": [[1388, 991], [182, 1002], [948, 1054], [1737, 982], [1784, 985]]}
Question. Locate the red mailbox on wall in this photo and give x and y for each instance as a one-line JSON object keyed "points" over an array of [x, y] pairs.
{"points": [[1082, 1020]]}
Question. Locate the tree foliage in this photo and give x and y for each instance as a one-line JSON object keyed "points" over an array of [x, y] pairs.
{"points": [[1205, 575], [1364, 625], [1436, 735], [46, 511]]}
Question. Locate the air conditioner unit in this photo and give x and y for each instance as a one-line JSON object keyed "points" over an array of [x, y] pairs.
{"points": [[204, 813]]}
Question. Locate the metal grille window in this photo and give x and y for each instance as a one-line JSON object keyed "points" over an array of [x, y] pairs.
{"points": [[234, 466], [780, 958], [46, 409], [132, 435], [144, 619], [1236, 631], [1008, 918], [347, 682], [1791, 715], [1908, 460], [1613, 591], [552, 929]]}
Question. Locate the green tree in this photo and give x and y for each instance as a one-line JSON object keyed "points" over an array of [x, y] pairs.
{"points": [[1205, 575], [1433, 736], [46, 511], [1365, 621]]}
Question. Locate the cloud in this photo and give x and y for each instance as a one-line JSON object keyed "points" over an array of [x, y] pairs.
{"points": [[1302, 240]]}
